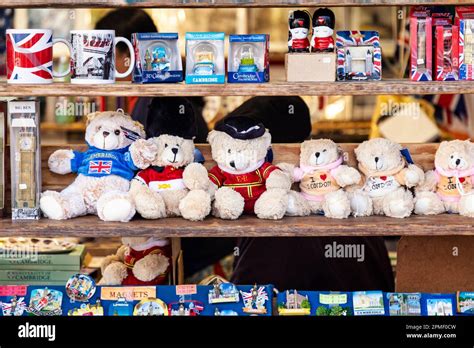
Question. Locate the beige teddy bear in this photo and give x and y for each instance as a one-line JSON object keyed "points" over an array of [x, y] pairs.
{"points": [[245, 181], [322, 177], [386, 177], [450, 187], [139, 261], [104, 170]]}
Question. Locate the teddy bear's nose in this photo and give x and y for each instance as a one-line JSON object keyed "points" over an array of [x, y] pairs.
{"points": [[376, 159], [174, 150], [232, 164], [458, 162], [317, 154], [105, 134]]}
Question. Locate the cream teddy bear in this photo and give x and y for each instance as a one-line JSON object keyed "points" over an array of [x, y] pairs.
{"points": [[173, 185], [139, 261], [104, 170], [450, 187], [245, 182], [322, 177], [386, 179]]}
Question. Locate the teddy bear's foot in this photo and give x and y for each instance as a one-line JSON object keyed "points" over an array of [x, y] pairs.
{"points": [[337, 205], [196, 205], [228, 204], [114, 274], [61, 206], [361, 204], [150, 267], [398, 204], [150, 205], [297, 205], [428, 203], [272, 204], [466, 205], [115, 206]]}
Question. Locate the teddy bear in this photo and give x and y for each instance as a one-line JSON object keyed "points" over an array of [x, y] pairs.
{"points": [[139, 261], [104, 170], [173, 185], [386, 177], [243, 181], [322, 177], [450, 186]]}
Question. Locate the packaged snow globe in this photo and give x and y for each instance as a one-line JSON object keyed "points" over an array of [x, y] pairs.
{"points": [[248, 58]]}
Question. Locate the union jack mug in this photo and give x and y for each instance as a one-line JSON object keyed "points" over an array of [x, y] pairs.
{"points": [[30, 56]]}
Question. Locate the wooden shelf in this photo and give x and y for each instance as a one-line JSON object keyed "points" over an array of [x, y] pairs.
{"points": [[63, 127], [220, 3], [274, 88], [246, 226]]}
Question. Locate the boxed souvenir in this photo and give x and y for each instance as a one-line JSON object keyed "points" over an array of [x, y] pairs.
{"points": [[2, 162], [421, 45], [359, 56], [447, 53], [465, 22], [157, 58], [248, 58], [25, 159], [205, 58]]}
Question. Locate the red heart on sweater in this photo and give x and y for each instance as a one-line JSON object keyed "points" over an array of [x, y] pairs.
{"points": [[461, 180], [383, 178], [323, 177]]}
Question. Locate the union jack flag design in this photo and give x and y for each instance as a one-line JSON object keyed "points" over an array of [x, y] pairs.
{"points": [[30, 57], [100, 167], [451, 113]]}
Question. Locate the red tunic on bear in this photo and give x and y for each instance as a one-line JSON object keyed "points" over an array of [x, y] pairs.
{"points": [[162, 178], [250, 185]]}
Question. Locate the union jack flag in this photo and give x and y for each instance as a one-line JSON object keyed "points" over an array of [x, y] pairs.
{"points": [[100, 167], [451, 113], [261, 295], [29, 56]]}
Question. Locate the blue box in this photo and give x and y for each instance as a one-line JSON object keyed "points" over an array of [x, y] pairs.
{"points": [[248, 60]]}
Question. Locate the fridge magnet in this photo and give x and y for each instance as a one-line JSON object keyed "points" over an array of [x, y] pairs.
{"points": [[465, 302], [157, 58], [45, 302], [205, 58], [151, 307], [436, 305], [359, 56], [15, 306], [87, 310], [223, 293], [248, 58], [225, 313], [255, 300], [323, 30], [296, 304], [368, 303], [186, 308], [334, 304], [80, 287], [404, 304], [299, 24], [121, 308]]}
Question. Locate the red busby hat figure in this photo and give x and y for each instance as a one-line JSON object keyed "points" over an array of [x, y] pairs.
{"points": [[323, 29], [299, 23]]}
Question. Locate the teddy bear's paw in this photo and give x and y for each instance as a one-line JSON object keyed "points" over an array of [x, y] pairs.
{"points": [[297, 205], [228, 204], [195, 177], [108, 260], [272, 204], [52, 205], [337, 205], [361, 204], [115, 206], [347, 176], [114, 274], [150, 267], [414, 176], [150, 205], [428, 203], [143, 153], [60, 161], [466, 205], [196, 205], [398, 204]]}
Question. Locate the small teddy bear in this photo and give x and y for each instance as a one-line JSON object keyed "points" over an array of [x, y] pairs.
{"points": [[450, 186], [104, 170], [173, 185], [139, 261], [244, 180], [386, 177], [322, 177]]}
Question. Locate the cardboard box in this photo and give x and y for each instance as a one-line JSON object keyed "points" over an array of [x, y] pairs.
{"points": [[310, 67]]}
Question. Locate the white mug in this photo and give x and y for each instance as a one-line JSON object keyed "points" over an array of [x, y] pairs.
{"points": [[93, 56]]}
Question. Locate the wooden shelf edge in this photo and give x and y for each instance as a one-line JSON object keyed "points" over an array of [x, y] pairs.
{"points": [[273, 88], [216, 3], [246, 226]]}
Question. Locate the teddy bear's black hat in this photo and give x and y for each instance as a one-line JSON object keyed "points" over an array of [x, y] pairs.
{"points": [[172, 116], [241, 127]]}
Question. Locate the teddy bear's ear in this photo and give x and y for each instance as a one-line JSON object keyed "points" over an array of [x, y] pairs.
{"points": [[212, 136], [91, 116]]}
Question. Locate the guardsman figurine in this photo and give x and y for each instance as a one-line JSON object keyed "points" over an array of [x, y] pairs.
{"points": [[323, 29], [299, 23]]}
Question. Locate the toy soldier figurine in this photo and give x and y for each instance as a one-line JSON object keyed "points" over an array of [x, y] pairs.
{"points": [[299, 23], [323, 29]]}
